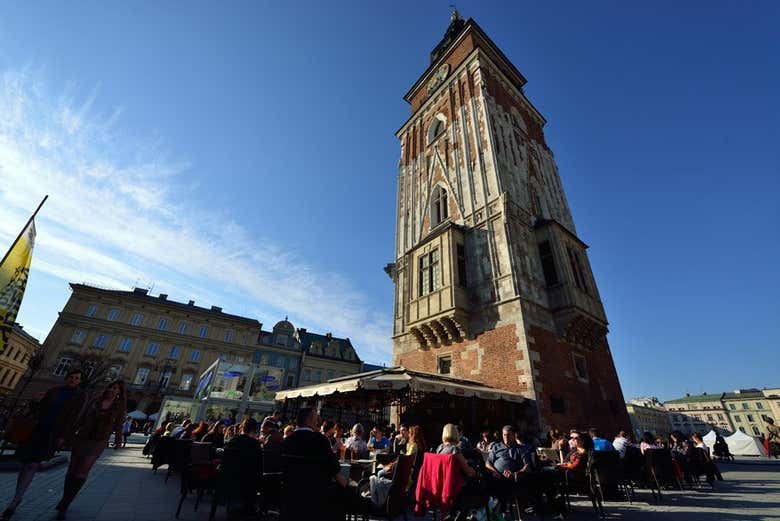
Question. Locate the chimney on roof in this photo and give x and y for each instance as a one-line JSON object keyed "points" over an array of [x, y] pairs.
{"points": [[140, 291], [301, 330], [191, 303], [163, 296], [329, 336], [216, 309]]}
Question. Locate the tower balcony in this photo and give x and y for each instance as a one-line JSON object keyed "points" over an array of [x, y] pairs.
{"points": [[443, 330]]}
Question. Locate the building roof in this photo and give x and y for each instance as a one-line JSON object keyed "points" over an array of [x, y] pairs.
{"points": [[693, 398], [162, 299], [307, 339], [19, 329], [456, 28], [743, 394]]}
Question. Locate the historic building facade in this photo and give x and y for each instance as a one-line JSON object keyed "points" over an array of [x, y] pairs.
{"points": [[699, 413], [160, 347], [648, 415], [748, 410], [492, 282], [14, 358]]}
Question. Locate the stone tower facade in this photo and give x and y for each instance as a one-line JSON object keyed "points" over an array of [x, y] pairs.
{"points": [[492, 282]]}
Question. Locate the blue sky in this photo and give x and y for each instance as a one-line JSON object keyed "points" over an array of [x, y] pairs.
{"points": [[243, 155]]}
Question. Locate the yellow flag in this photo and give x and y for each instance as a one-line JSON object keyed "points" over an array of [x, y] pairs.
{"points": [[14, 272]]}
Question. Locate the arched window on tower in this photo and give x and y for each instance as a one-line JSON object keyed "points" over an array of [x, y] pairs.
{"points": [[437, 128], [438, 206]]}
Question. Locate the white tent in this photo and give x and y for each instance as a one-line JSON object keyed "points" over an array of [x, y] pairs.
{"points": [[740, 444], [709, 439], [137, 415], [154, 416]]}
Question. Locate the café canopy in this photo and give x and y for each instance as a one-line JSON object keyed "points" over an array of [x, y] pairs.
{"points": [[396, 380]]}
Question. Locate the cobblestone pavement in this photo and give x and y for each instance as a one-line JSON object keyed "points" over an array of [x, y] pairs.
{"points": [[122, 487]]}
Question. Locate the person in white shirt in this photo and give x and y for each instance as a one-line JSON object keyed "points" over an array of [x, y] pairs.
{"points": [[620, 443]]}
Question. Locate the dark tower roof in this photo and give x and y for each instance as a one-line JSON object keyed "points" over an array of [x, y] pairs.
{"points": [[456, 26]]}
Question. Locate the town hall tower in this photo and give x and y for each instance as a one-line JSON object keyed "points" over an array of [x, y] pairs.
{"points": [[492, 282]]}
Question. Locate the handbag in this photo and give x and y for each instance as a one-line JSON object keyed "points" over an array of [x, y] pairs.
{"points": [[20, 430]]}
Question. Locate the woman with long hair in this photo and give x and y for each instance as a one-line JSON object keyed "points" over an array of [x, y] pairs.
{"points": [[201, 430], [55, 418], [101, 416]]}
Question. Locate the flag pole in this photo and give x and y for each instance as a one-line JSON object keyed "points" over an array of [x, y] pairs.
{"points": [[23, 228]]}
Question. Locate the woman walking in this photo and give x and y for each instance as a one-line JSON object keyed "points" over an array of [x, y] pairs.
{"points": [[56, 416], [102, 416]]}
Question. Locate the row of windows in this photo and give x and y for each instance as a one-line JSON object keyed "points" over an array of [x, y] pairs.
{"points": [[745, 406], [137, 319], [9, 377], [14, 353], [141, 376], [126, 345]]}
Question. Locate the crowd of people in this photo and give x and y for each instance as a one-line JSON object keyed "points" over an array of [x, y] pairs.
{"points": [[505, 461]]}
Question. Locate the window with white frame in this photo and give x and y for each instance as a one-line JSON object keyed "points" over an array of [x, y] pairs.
{"points": [[182, 328], [141, 376], [165, 378], [113, 372], [113, 314], [100, 341], [162, 325], [444, 364], [186, 381], [204, 331], [152, 349], [581, 367], [78, 336], [195, 355], [88, 368], [174, 352], [92, 310], [429, 272], [125, 345], [439, 209], [137, 320], [63, 366]]}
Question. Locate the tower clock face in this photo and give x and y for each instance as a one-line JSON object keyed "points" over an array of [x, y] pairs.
{"points": [[441, 75]]}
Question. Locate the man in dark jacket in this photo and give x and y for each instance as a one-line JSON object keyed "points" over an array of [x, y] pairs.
{"points": [[311, 469], [57, 414]]}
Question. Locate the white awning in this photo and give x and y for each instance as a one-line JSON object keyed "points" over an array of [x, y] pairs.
{"points": [[399, 378]]}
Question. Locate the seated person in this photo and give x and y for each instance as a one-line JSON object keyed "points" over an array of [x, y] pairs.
{"points": [[246, 439], [599, 443], [378, 439], [315, 488], [577, 461], [215, 435], [450, 440], [400, 440], [620, 443], [484, 442], [648, 442], [356, 444], [509, 462]]}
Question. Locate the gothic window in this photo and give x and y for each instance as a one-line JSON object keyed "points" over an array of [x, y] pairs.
{"points": [[548, 263], [437, 128], [438, 206], [429, 272]]}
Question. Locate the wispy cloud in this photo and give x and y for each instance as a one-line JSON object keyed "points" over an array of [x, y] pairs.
{"points": [[111, 219]]}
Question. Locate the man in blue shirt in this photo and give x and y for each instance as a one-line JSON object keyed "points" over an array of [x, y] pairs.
{"points": [[378, 440], [599, 443], [508, 462]]}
